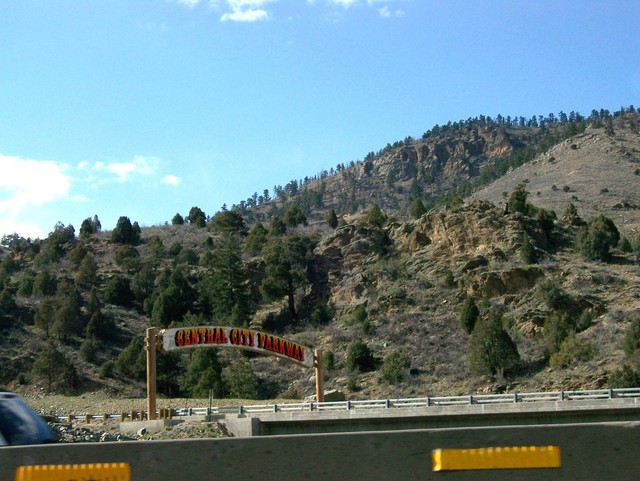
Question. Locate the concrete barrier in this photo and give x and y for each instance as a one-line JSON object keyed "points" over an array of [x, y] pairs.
{"points": [[452, 416], [600, 452]]}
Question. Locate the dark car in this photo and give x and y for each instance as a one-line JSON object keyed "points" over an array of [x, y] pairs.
{"points": [[19, 424]]}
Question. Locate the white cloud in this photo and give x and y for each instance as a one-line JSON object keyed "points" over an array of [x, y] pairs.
{"points": [[246, 10], [255, 10], [344, 3], [251, 15], [26, 183], [171, 179], [188, 3], [386, 12], [123, 171], [33, 182]]}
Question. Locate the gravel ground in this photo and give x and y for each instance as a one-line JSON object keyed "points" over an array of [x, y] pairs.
{"points": [[98, 403], [100, 432]]}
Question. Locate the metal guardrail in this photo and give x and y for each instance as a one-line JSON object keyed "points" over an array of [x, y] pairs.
{"points": [[553, 396]]}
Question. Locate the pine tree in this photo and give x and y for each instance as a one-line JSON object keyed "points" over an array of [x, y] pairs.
{"points": [[528, 251], [518, 199], [285, 271], [332, 219], [54, 367], [225, 287], [492, 350], [204, 373], [417, 209], [240, 380], [596, 240], [469, 315]]}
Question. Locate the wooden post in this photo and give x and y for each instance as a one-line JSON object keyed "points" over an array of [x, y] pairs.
{"points": [[151, 372], [317, 354]]}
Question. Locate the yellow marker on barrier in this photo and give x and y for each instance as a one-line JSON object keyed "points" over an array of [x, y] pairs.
{"points": [[516, 457], [73, 472]]}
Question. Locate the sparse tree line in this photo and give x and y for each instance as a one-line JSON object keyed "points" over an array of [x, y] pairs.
{"points": [[549, 130]]}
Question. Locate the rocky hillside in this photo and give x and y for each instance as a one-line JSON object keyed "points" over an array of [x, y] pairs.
{"points": [[505, 218]]}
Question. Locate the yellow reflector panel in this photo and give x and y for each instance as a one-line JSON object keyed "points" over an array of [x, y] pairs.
{"points": [[516, 457], [73, 472]]}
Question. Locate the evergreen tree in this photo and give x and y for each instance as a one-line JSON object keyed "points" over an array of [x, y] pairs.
{"points": [[143, 282], [294, 216], [118, 291], [518, 200], [285, 271], [240, 380], [558, 327], [229, 222], [44, 315], [49, 365], [528, 251], [196, 217], [596, 240], [87, 272], [125, 232], [394, 367], [132, 360], [277, 227], [256, 240], [469, 315], [177, 220], [174, 301], [332, 219], [375, 216], [204, 373], [44, 284], [631, 342], [492, 350], [100, 326], [360, 358], [225, 288], [417, 209]]}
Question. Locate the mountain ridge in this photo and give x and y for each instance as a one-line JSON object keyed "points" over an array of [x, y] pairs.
{"points": [[378, 277]]}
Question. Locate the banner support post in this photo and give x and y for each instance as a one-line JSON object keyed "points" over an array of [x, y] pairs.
{"points": [[318, 363], [151, 346]]}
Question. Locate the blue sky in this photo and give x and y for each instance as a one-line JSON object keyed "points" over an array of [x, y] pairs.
{"points": [[146, 108]]}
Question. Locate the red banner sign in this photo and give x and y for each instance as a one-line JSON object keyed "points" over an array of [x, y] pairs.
{"points": [[205, 336]]}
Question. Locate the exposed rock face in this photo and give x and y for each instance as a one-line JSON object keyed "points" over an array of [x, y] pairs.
{"points": [[500, 283], [466, 241], [351, 246], [476, 230], [445, 159]]}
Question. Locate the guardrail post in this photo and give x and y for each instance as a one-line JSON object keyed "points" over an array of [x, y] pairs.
{"points": [[610, 393], [241, 410], [428, 401], [561, 395], [348, 405], [88, 418], [275, 408], [387, 404], [470, 399], [515, 397]]}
